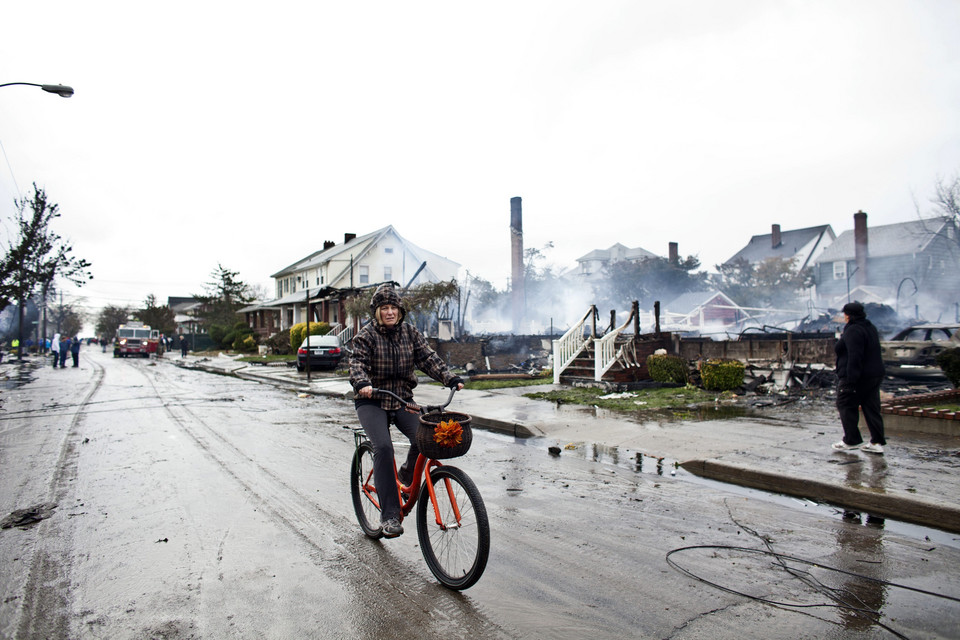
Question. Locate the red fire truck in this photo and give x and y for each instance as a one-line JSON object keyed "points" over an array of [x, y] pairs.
{"points": [[136, 339]]}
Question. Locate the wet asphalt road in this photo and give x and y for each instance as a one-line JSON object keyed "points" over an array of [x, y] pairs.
{"points": [[190, 505]]}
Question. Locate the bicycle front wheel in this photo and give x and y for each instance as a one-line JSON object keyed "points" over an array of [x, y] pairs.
{"points": [[455, 547], [365, 502]]}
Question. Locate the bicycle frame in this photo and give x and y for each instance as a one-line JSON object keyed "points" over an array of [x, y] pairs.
{"points": [[421, 470]]}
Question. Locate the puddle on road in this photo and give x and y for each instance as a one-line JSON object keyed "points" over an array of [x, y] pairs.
{"points": [[655, 465], [695, 413], [17, 375]]}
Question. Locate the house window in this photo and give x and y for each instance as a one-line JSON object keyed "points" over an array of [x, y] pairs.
{"points": [[387, 274], [388, 249], [364, 274], [840, 270]]}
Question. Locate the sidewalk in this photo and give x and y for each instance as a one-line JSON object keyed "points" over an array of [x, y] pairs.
{"points": [[779, 450]]}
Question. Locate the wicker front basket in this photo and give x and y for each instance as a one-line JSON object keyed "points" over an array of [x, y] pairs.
{"points": [[430, 447]]}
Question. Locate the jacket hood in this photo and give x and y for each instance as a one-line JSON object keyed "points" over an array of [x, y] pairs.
{"points": [[386, 294]]}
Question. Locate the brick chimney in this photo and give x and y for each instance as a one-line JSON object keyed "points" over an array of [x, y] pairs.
{"points": [[860, 246], [347, 237], [775, 240], [328, 244], [516, 262], [674, 253]]}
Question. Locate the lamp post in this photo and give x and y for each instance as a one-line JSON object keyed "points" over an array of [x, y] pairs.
{"points": [[61, 90]]}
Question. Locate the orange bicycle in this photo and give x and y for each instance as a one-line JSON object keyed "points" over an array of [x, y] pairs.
{"points": [[452, 523]]}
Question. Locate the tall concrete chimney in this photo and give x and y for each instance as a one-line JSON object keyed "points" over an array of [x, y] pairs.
{"points": [[775, 240], [674, 253], [516, 262], [860, 246]]}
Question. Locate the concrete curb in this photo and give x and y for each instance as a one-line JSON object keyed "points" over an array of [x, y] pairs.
{"points": [[899, 507]]}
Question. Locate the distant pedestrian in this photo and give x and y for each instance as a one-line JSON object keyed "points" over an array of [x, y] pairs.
{"points": [[75, 350], [64, 350], [183, 346], [859, 374], [55, 349]]}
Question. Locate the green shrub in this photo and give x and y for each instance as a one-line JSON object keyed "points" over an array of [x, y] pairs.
{"points": [[721, 375], [664, 368], [246, 344], [279, 343], [217, 333], [298, 332], [949, 362]]}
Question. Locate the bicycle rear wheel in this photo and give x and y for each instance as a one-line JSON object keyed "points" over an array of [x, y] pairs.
{"points": [[364, 494], [455, 549]]}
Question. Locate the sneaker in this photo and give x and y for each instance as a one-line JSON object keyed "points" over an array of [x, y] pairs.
{"points": [[873, 447], [843, 446], [391, 528]]}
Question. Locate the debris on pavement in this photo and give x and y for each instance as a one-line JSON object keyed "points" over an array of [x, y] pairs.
{"points": [[24, 518]]}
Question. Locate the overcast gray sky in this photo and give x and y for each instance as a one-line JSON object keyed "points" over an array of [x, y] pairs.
{"points": [[247, 133]]}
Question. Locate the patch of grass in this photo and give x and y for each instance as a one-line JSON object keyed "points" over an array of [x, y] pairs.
{"points": [[951, 406], [481, 385], [639, 400], [268, 359]]}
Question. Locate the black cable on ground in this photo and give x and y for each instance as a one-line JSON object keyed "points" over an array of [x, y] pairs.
{"points": [[806, 577]]}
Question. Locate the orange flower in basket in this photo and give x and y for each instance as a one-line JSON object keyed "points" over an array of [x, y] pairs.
{"points": [[448, 433]]}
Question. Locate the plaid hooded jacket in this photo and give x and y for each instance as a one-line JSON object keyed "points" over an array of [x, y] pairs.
{"points": [[388, 357]]}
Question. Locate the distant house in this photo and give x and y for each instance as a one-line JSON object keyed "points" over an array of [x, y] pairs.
{"points": [[701, 309], [915, 262], [802, 245], [186, 312], [592, 264], [337, 271]]}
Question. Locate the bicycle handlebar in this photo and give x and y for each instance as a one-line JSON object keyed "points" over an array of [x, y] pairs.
{"points": [[409, 405]]}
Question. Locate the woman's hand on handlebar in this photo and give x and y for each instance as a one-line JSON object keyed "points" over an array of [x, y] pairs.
{"points": [[365, 392]]}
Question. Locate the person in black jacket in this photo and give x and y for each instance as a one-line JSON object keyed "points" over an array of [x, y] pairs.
{"points": [[859, 374]]}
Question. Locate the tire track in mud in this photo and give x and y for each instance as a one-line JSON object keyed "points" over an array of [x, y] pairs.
{"points": [[45, 612], [395, 596]]}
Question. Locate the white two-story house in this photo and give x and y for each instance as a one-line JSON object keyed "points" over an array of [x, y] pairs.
{"points": [[329, 276]]}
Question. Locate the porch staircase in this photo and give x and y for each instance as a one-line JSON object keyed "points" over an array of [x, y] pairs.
{"points": [[582, 370], [582, 357]]}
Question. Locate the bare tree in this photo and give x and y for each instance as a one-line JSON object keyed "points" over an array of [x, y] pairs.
{"points": [[36, 256]]}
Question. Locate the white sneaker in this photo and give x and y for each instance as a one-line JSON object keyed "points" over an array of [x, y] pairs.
{"points": [[872, 448], [843, 446]]}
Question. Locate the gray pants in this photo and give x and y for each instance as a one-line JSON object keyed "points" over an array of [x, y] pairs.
{"points": [[375, 422]]}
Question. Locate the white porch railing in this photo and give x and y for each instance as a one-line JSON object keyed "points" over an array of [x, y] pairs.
{"points": [[605, 350], [346, 334], [569, 345]]}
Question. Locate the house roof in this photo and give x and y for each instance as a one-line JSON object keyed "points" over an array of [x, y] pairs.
{"points": [[792, 241], [901, 238], [325, 255], [693, 300], [365, 244], [618, 252]]}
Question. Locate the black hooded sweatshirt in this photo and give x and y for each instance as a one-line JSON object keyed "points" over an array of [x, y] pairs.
{"points": [[858, 353]]}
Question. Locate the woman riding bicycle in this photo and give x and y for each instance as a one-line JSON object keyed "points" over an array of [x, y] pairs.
{"points": [[386, 355]]}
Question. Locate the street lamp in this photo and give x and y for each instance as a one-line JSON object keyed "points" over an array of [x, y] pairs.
{"points": [[61, 90]]}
